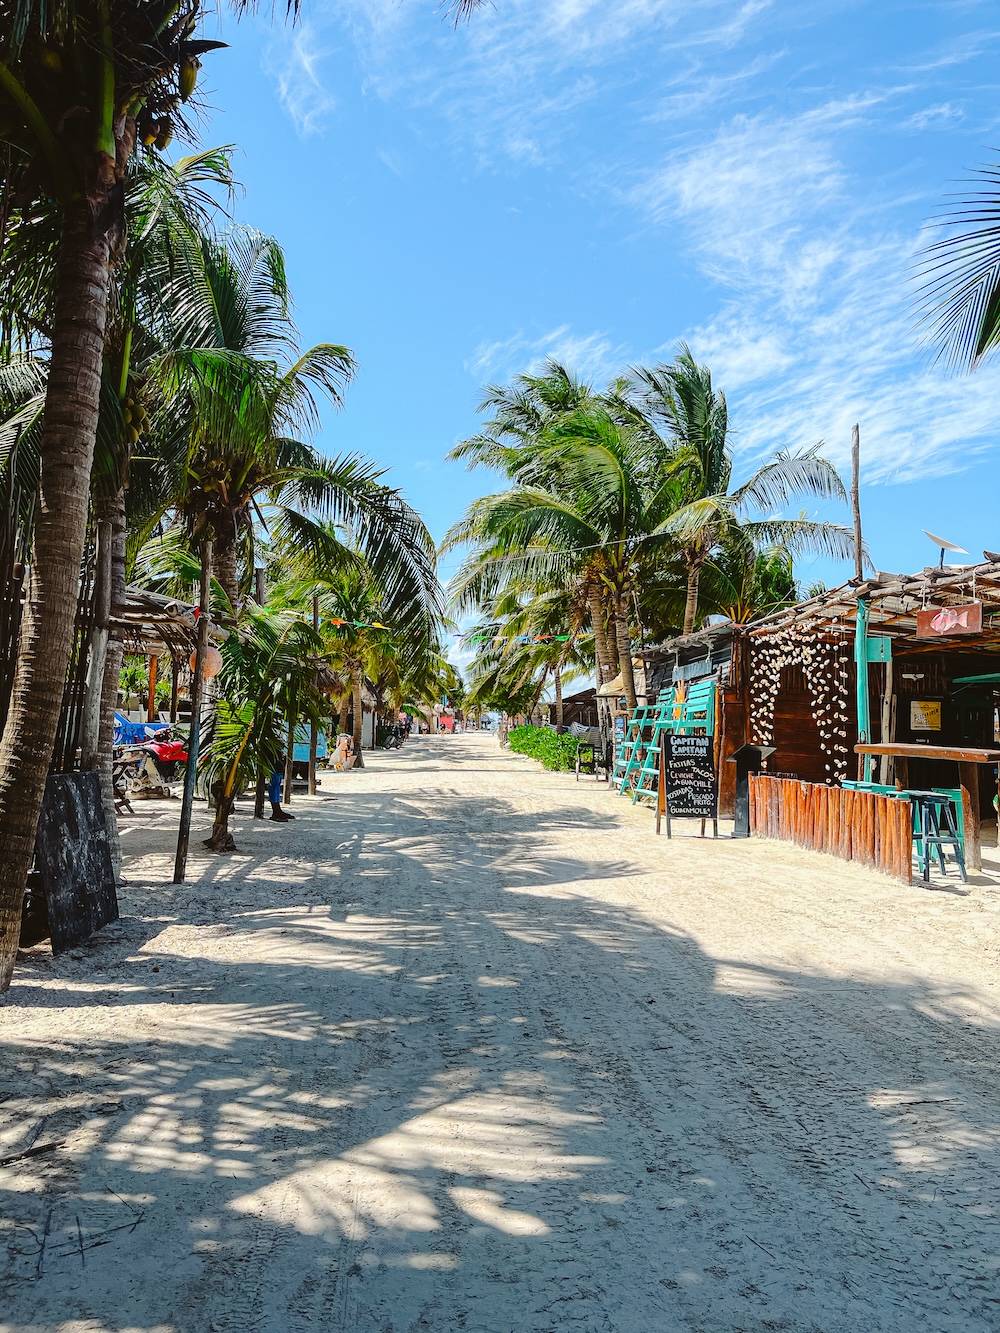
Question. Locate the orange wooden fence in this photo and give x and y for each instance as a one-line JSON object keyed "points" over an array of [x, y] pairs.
{"points": [[854, 825]]}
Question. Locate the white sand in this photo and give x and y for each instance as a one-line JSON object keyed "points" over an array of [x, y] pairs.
{"points": [[469, 1048]]}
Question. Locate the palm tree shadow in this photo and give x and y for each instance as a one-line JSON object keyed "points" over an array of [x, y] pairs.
{"points": [[509, 1093]]}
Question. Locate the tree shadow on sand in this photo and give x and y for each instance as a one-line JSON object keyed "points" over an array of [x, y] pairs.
{"points": [[511, 1106]]}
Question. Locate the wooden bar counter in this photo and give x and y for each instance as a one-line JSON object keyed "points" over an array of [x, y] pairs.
{"points": [[967, 757]]}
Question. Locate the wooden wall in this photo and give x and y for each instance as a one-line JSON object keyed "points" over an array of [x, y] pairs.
{"points": [[796, 736], [856, 826]]}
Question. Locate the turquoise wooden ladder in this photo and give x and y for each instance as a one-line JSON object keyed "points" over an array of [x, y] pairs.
{"points": [[692, 715], [631, 755]]}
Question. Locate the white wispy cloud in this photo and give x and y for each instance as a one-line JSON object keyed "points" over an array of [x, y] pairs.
{"points": [[817, 331], [655, 104], [943, 113], [510, 79], [592, 356], [296, 59]]}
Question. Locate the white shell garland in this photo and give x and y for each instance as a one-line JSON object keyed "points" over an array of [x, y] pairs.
{"points": [[826, 665]]}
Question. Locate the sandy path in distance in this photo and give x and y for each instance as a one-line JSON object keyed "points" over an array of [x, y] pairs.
{"points": [[467, 1047]]}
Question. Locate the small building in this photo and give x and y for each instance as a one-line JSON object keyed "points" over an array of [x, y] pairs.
{"points": [[580, 708], [789, 679]]}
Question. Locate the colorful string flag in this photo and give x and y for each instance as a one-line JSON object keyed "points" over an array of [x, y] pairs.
{"points": [[359, 624]]}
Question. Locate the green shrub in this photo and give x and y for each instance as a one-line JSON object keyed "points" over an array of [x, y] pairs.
{"points": [[553, 752]]}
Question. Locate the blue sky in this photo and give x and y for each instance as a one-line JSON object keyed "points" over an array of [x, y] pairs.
{"points": [[597, 180]]}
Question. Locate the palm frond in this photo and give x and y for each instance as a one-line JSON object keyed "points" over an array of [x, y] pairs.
{"points": [[959, 296]]}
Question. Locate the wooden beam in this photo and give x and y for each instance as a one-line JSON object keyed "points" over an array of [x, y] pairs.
{"points": [[154, 663], [968, 776], [961, 754]]}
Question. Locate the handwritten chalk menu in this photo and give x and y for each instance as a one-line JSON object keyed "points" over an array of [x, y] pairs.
{"points": [[619, 735], [689, 773]]}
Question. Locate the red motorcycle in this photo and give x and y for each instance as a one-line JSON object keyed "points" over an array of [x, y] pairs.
{"points": [[152, 764]]}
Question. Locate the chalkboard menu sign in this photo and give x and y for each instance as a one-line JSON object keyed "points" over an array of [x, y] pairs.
{"points": [[74, 858], [619, 735], [687, 778]]}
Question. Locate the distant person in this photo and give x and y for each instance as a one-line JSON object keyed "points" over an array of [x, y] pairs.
{"points": [[343, 755], [274, 792]]}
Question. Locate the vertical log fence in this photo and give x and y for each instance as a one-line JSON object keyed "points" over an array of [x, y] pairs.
{"points": [[861, 826]]}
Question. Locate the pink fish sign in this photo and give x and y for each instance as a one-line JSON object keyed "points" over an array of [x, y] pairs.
{"points": [[941, 622]]}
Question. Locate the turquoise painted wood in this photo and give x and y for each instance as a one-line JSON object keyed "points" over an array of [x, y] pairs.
{"points": [[953, 793], [694, 715]]}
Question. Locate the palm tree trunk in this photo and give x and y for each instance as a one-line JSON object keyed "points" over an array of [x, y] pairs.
{"points": [[226, 571], [691, 605], [91, 721], [538, 695], [624, 650], [345, 708], [612, 640], [112, 673], [72, 403], [359, 717], [604, 671], [221, 839], [557, 685]]}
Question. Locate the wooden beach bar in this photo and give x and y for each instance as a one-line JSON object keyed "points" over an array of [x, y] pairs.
{"points": [[873, 689]]}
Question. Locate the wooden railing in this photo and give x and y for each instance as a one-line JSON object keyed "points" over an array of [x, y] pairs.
{"points": [[854, 825]]}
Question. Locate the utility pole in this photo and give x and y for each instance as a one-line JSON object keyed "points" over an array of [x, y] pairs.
{"points": [[859, 560], [861, 612], [258, 802], [313, 735], [194, 735]]}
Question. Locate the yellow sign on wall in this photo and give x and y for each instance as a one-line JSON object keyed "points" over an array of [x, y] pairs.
{"points": [[925, 714]]}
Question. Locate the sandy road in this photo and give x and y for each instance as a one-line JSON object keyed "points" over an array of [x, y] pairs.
{"points": [[468, 1048]]}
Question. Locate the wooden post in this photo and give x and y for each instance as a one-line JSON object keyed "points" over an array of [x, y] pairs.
{"points": [[258, 576], [194, 735], [859, 559], [154, 663], [968, 776], [175, 671], [886, 728], [91, 720], [289, 754], [662, 804], [861, 669], [313, 734]]}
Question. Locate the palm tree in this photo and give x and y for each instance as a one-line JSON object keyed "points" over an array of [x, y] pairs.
{"points": [[379, 609], [162, 201], [247, 395], [594, 515], [511, 441], [706, 507], [743, 583], [80, 81], [521, 412], [531, 636], [269, 676]]}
